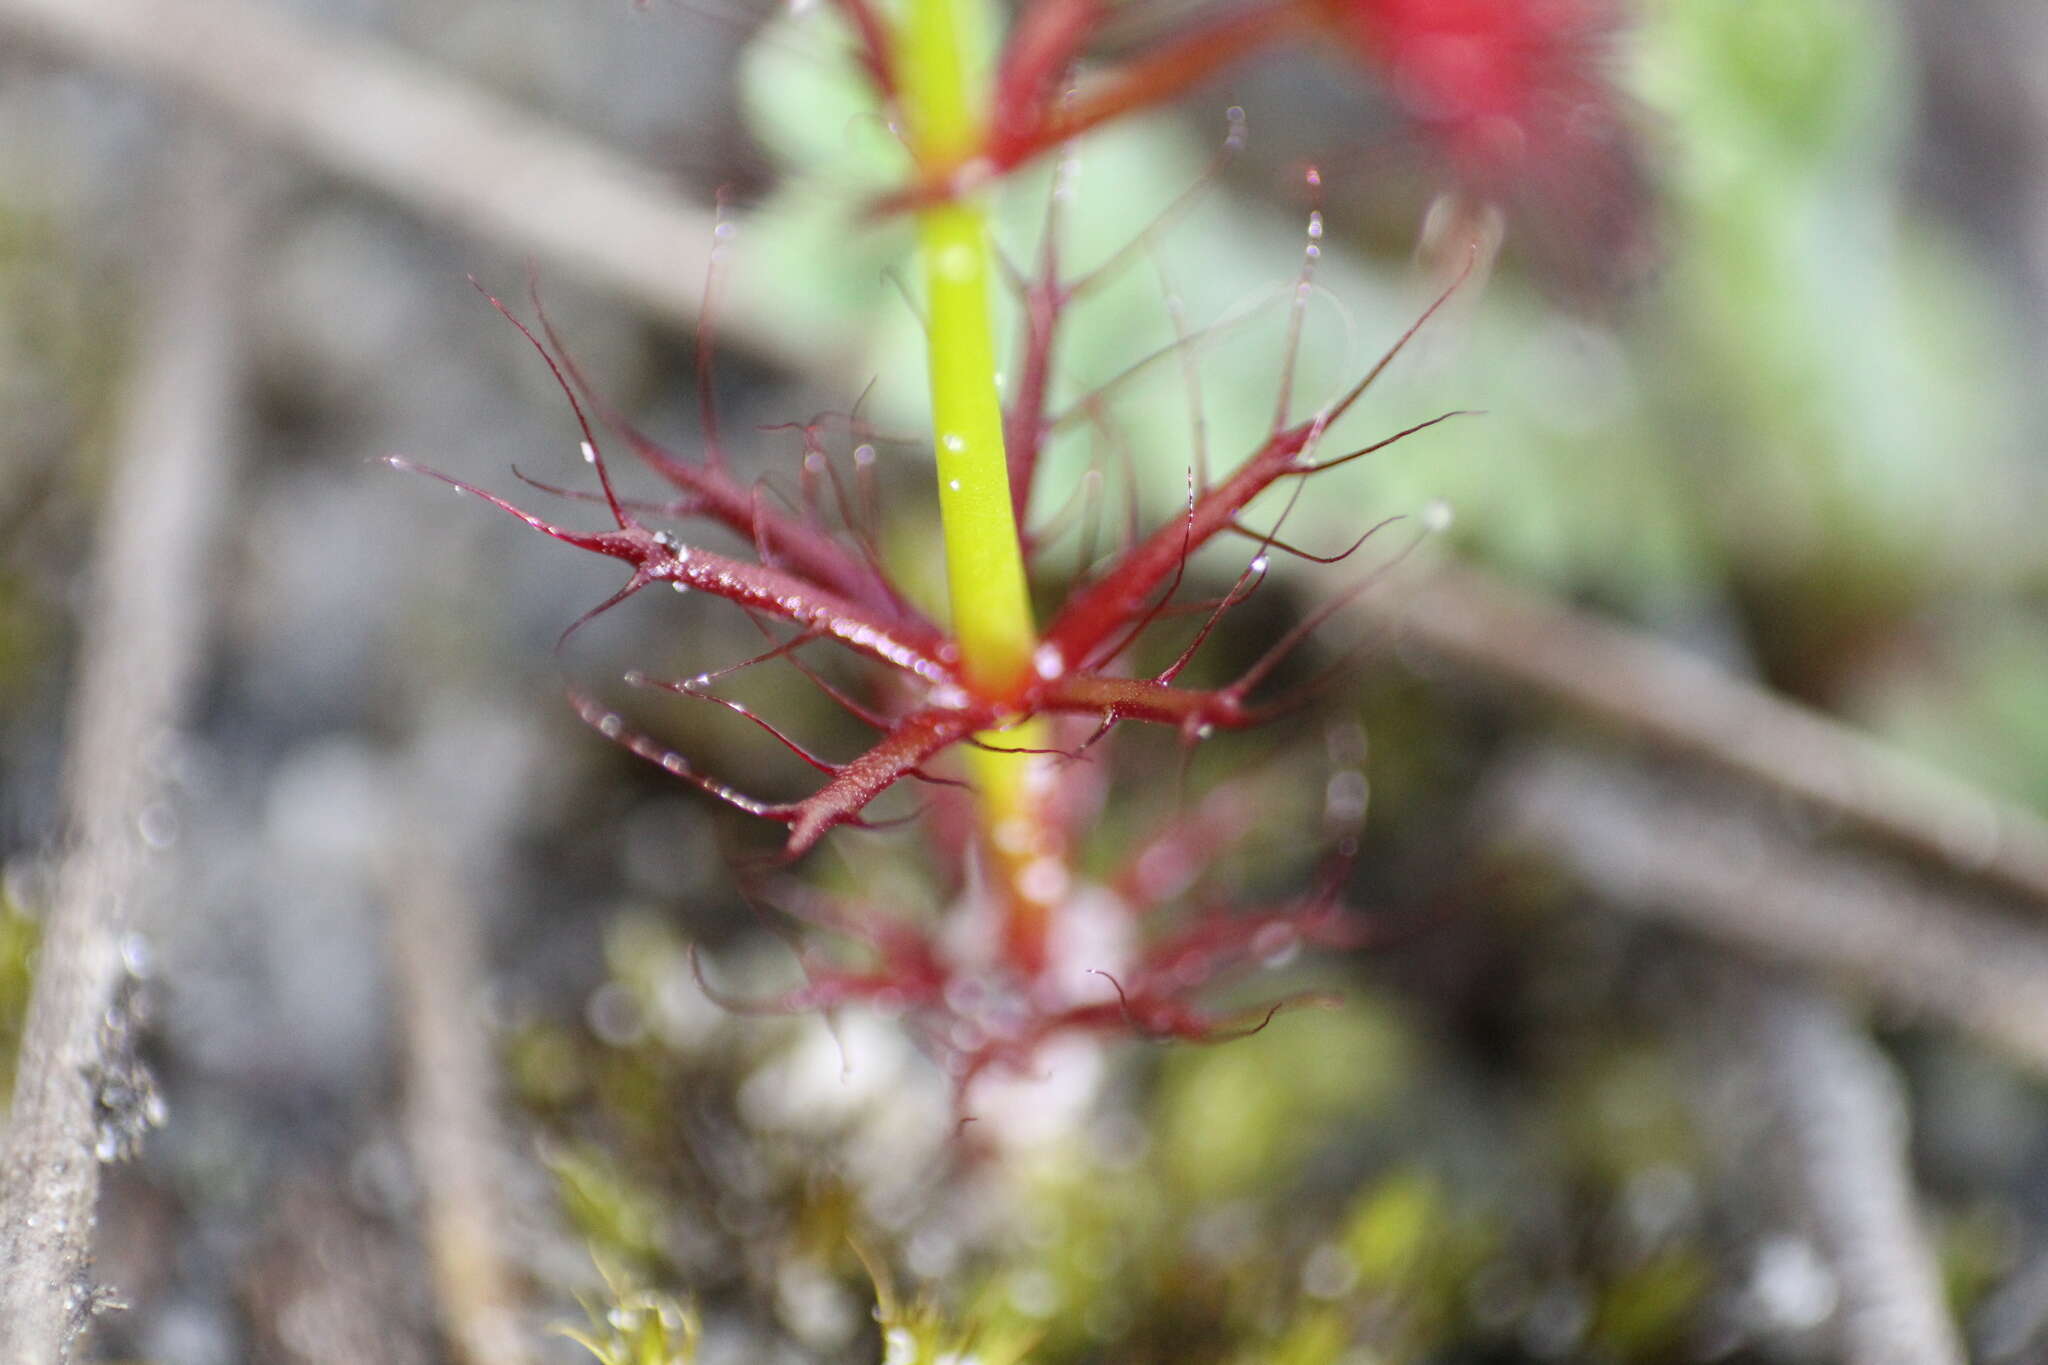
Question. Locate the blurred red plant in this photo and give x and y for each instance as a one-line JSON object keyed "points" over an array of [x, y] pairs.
{"points": [[1513, 101], [826, 585], [1510, 94]]}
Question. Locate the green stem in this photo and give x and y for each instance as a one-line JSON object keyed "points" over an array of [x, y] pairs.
{"points": [[984, 561], [943, 86]]}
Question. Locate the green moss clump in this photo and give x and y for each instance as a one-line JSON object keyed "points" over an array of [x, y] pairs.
{"points": [[630, 1325], [621, 1221], [18, 937]]}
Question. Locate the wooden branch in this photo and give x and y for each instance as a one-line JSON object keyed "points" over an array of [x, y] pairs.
{"points": [[452, 1125], [1666, 849], [447, 150], [79, 1095], [2011, 1324], [1659, 693], [1835, 1132], [328, 1284]]}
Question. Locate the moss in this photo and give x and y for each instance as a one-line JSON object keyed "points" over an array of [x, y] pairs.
{"points": [[542, 1062], [630, 1325], [1411, 1253], [18, 937], [1243, 1116], [1317, 1338], [919, 1332], [620, 1220], [1644, 1312]]}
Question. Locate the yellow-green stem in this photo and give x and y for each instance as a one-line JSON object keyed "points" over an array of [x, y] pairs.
{"points": [[942, 87], [984, 562]]}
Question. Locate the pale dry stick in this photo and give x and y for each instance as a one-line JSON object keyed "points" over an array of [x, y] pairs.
{"points": [[436, 143], [1834, 1131], [140, 649], [1845, 1117], [1660, 846], [452, 1126], [1662, 694], [2010, 1326], [327, 1284]]}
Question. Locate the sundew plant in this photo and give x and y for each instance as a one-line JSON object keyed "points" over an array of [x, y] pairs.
{"points": [[1008, 699], [1068, 615]]}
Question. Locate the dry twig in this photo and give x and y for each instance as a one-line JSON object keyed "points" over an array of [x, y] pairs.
{"points": [[1832, 1108], [1666, 849], [444, 148], [79, 1094], [1834, 1132], [1662, 694], [2011, 1324], [452, 1125], [329, 1285]]}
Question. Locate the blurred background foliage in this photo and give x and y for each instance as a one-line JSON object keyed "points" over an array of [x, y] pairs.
{"points": [[1809, 444]]}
